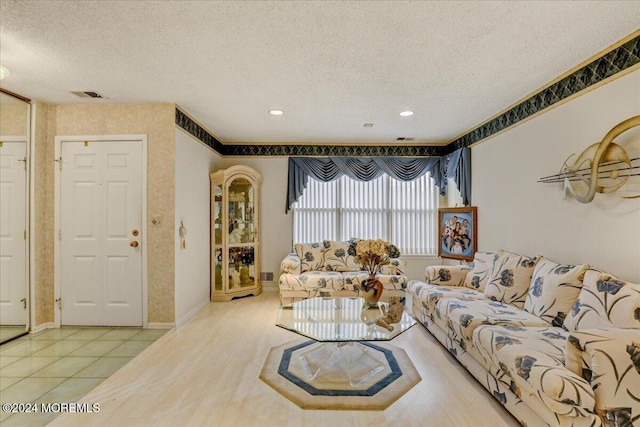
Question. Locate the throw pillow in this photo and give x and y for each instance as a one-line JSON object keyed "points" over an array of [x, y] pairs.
{"points": [[481, 269], [510, 278], [554, 288], [337, 258], [311, 256], [605, 302]]}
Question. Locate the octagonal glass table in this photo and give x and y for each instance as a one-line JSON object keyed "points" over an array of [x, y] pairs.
{"points": [[339, 325]]}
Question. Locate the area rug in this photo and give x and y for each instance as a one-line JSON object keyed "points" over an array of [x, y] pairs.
{"points": [[384, 378]]}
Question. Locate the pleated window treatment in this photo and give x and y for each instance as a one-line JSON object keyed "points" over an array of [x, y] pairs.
{"points": [[357, 197], [456, 165]]}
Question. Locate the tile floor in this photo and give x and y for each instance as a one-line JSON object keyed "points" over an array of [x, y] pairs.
{"points": [[7, 332], [62, 365]]}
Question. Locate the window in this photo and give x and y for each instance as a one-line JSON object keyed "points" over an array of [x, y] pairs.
{"points": [[403, 213]]}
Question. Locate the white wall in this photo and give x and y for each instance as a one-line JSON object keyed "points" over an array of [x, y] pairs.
{"points": [[516, 213], [193, 162], [276, 231]]}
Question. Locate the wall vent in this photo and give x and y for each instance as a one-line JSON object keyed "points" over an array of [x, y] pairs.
{"points": [[87, 94], [266, 276]]}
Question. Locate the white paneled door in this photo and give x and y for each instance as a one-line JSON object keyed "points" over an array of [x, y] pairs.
{"points": [[13, 241], [100, 233]]}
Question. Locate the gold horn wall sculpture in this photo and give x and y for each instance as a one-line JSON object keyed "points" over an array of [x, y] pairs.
{"points": [[603, 167]]}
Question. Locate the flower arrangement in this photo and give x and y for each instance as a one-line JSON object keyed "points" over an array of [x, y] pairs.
{"points": [[373, 254]]}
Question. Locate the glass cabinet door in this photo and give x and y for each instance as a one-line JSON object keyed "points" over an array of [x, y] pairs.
{"points": [[241, 267], [241, 234], [217, 214], [217, 263], [241, 209]]}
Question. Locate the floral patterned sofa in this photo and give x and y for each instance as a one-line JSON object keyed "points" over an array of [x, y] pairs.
{"points": [[556, 345], [326, 269]]}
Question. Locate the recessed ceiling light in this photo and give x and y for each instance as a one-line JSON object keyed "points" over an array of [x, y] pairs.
{"points": [[406, 113], [276, 112], [3, 72]]}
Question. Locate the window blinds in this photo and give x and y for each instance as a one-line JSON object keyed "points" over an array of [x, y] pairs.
{"points": [[401, 212]]}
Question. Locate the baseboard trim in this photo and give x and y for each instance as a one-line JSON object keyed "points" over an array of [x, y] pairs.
{"points": [[160, 325], [191, 313], [41, 327]]}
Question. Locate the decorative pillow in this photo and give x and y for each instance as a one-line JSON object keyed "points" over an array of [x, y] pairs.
{"points": [[395, 267], [337, 258], [604, 302], [481, 269], [311, 256], [510, 278], [554, 288]]}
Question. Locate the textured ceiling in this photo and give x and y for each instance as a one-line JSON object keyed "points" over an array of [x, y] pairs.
{"points": [[331, 66]]}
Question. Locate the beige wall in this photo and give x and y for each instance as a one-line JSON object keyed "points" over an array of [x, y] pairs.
{"points": [[518, 214], [14, 119], [157, 121], [44, 150]]}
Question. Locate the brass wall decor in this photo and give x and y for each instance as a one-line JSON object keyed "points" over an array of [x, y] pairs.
{"points": [[604, 167]]}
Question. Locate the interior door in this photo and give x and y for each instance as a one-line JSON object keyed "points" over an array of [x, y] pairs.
{"points": [[13, 242], [100, 241]]}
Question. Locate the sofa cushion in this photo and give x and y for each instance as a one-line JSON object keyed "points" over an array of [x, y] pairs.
{"points": [[510, 278], [489, 339], [603, 302], [554, 289], [337, 258], [389, 281], [311, 256], [462, 317], [610, 359], [481, 269], [533, 357], [328, 280], [429, 294]]}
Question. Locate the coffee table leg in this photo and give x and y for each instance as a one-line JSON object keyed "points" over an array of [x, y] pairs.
{"points": [[351, 359], [316, 358]]}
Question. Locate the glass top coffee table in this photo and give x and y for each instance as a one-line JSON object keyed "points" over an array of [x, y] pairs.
{"points": [[339, 325]]}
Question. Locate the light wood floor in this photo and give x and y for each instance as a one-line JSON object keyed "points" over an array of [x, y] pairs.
{"points": [[205, 373]]}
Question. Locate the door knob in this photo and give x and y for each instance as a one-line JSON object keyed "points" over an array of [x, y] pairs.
{"points": [[133, 244]]}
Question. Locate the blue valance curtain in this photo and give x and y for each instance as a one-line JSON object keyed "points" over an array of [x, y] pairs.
{"points": [[456, 165]]}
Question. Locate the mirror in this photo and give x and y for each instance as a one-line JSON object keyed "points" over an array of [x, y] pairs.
{"points": [[14, 214]]}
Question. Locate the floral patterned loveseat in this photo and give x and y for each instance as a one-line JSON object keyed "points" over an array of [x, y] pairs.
{"points": [[327, 269], [556, 345]]}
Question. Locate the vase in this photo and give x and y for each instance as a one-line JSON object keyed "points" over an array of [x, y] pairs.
{"points": [[244, 274], [371, 291]]}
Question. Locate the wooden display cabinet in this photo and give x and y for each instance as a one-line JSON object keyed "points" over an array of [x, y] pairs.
{"points": [[235, 240]]}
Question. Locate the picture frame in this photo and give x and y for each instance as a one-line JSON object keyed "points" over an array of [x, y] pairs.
{"points": [[458, 241]]}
